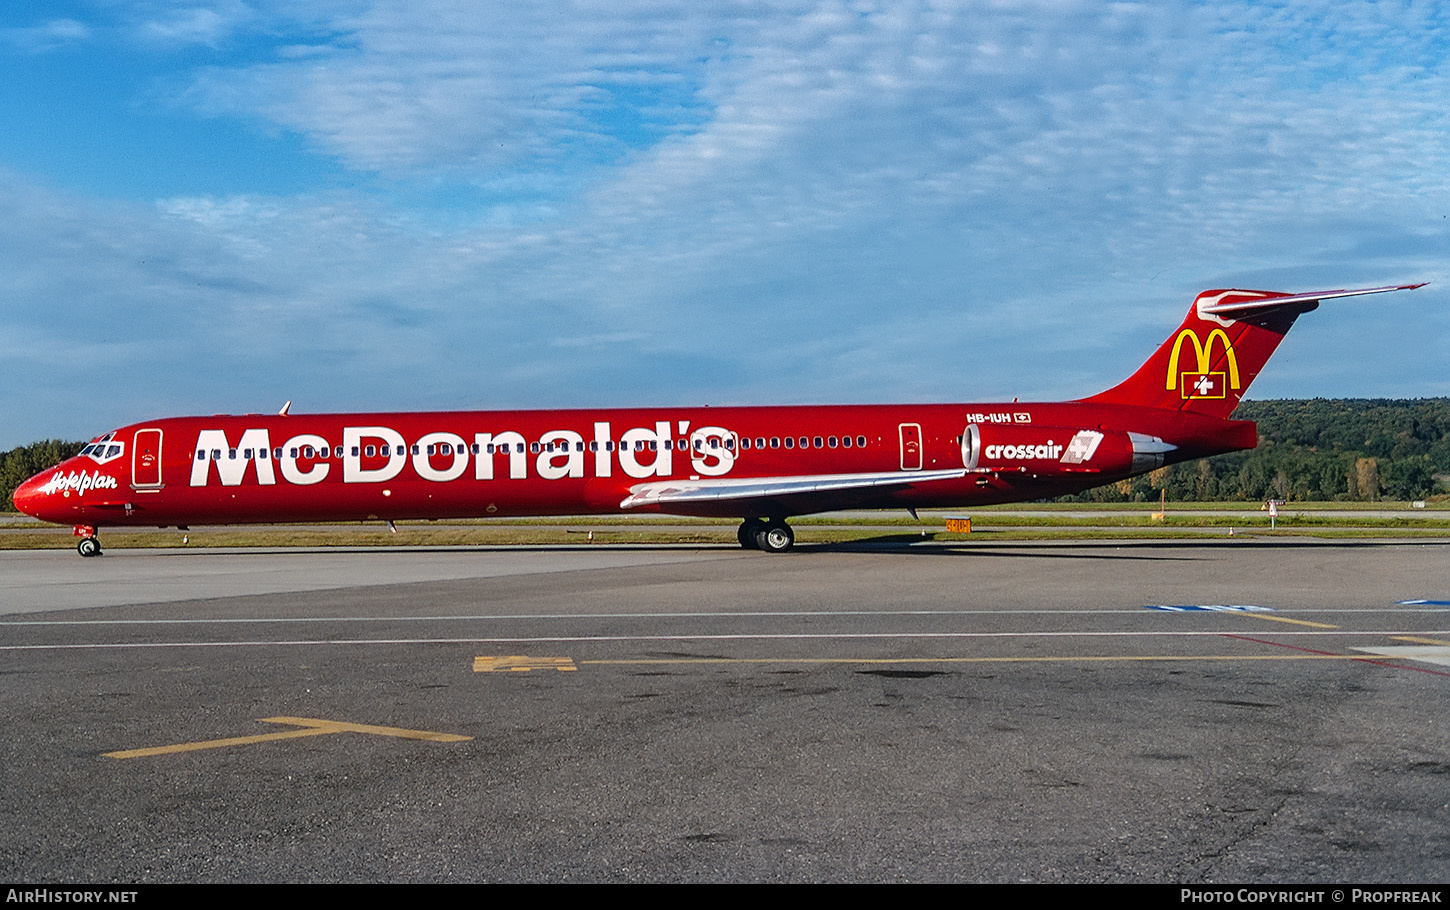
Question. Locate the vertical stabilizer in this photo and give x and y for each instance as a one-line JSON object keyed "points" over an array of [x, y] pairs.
{"points": [[1207, 364]]}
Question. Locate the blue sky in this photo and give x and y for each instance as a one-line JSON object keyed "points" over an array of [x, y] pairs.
{"points": [[220, 206]]}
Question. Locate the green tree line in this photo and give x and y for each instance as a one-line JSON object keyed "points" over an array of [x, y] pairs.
{"points": [[18, 464], [1317, 449], [1351, 449]]}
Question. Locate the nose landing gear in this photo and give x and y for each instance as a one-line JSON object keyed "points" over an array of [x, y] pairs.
{"points": [[90, 544]]}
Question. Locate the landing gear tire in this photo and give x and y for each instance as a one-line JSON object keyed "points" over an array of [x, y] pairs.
{"points": [[89, 546], [747, 532], [775, 537]]}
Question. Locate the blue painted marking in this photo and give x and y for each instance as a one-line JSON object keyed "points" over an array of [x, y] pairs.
{"points": [[1211, 608], [1422, 603]]}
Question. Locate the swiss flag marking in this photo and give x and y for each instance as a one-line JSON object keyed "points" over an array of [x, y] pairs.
{"points": [[1202, 385]]}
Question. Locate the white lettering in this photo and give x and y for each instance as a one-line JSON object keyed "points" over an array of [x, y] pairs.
{"points": [[79, 481], [567, 461], [1022, 452], [637, 442], [232, 470], [603, 464], [352, 442], [511, 444], [294, 474], [423, 463], [712, 460]]}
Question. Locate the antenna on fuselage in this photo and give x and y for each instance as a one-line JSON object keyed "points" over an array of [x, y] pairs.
{"points": [[285, 408]]}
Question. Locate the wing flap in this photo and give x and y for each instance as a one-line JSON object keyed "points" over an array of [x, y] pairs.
{"points": [[667, 493]]}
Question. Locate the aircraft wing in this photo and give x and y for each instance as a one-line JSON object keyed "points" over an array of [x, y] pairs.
{"points": [[814, 492]]}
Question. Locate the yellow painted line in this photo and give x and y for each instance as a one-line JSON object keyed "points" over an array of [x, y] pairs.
{"points": [[964, 660], [520, 664], [310, 727], [1297, 622], [1420, 641], [335, 726]]}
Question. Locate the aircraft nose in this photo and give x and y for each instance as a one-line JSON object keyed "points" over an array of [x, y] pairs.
{"points": [[29, 496]]}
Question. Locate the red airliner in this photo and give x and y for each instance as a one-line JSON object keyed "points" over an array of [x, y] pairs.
{"points": [[759, 464]]}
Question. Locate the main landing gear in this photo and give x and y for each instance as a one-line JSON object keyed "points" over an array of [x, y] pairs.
{"points": [[770, 536], [90, 544]]}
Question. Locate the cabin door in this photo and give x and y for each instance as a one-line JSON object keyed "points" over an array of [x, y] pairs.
{"points": [[146, 460], [910, 446]]}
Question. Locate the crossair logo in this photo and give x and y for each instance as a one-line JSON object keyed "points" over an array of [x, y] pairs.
{"points": [[78, 482], [1080, 449], [1202, 382], [379, 454]]}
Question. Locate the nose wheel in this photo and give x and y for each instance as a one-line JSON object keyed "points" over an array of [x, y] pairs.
{"points": [[89, 546]]}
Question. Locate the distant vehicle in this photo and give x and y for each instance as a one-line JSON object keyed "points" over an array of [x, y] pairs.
{"points": [[759, 464]]}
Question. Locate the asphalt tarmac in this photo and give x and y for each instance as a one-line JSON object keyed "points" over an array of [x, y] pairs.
{"points": [[877, 711]]}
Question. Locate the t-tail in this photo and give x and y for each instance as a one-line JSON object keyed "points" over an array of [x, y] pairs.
{"points": [[1207, 364]]}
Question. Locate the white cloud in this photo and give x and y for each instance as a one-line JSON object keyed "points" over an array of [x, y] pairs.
{"points": [[828, 201], [48, 36]]}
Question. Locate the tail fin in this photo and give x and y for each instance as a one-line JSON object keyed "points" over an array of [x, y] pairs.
{"points": [[1206, 366]]}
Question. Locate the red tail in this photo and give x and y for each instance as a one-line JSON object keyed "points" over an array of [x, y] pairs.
{"points": [[1206, 366]]}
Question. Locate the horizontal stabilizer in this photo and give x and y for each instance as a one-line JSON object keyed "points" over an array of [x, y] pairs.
{"points": [[1236, 307]]}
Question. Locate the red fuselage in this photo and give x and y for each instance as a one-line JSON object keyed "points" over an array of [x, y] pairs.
{"points": [[332, 467]]}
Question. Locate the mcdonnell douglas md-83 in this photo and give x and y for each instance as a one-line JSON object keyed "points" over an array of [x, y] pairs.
{"points": [[759, 464]]}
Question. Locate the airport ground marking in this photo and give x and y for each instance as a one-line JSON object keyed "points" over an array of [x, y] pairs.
{"points": [[1297, 622], [1104, 658], [1242, 609], [1427, 606], [1382, 661], [309, 726], [517, 663], [1421, 641], [741, 636], [1430, 654]]}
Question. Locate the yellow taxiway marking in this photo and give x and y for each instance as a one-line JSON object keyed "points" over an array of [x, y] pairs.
{"points": [[1297, 622], [1110, 658], [520, 664], [1421, 641], [309, 727]]}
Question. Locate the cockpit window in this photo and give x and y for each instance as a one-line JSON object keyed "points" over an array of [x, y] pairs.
{"points": [[104, 449]]}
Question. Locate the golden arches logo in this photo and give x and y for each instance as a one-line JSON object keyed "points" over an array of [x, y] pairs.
{"points": [[1203, 351]]}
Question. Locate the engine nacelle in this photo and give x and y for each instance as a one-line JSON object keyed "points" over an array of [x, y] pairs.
{"points": [[1060, 450]]}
